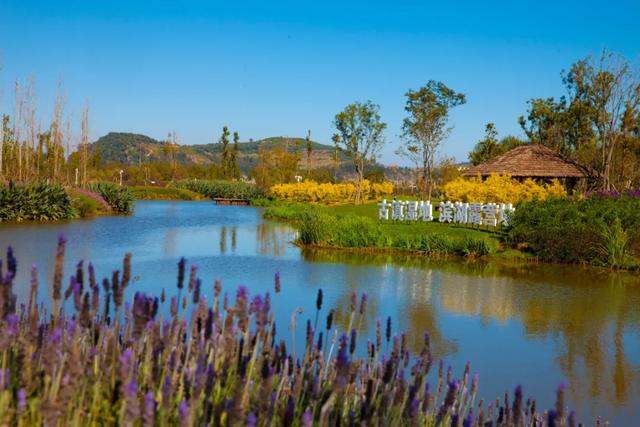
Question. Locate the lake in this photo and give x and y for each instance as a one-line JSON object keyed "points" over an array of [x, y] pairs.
{"points": [[537, 325]]}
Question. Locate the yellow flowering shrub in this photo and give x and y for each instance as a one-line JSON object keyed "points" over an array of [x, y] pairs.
{"points": [[311, 191], [500, 189]]}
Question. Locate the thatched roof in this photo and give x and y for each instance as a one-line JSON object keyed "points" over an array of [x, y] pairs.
{"points": [[530, 161]]}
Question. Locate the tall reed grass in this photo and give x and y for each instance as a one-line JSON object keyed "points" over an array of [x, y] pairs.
{"points": [[183, 360]]}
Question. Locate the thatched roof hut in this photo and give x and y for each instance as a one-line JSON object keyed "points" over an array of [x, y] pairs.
{"points": [[530, 161]]}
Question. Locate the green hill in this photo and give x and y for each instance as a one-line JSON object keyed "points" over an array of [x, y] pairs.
{"points": [[131, 149]]}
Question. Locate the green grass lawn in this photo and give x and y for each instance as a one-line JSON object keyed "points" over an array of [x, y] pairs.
{"points": [[370, 210]]}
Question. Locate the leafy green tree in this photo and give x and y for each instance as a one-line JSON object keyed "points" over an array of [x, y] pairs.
{"points": [[489, 147], [427, 126], [360, 130]]}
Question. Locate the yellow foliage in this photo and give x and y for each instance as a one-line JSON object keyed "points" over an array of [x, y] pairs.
{"points": [[311, 191], [500, 189]]}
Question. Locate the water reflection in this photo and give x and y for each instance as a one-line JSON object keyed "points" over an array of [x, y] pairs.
{"points": [[273, 238], [223, 239], [591, 315]]}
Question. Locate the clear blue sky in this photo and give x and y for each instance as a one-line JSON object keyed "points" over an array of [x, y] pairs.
{"points": [[279, 68]]}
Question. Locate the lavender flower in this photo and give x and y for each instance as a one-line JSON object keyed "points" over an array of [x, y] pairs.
{"points": [[363, 303], [330, 319], [181, 267]]}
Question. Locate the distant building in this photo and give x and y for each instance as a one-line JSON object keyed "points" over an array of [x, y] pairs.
{"points": [[532, 161]]}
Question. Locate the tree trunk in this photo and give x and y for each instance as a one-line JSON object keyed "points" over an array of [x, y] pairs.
{"points": [[360, 174]]}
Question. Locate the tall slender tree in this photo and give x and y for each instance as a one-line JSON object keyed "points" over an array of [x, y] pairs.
{"points": [[224, 156], [360, 131], [83, 147], [336, 160], [234, 168], [309, 150]]}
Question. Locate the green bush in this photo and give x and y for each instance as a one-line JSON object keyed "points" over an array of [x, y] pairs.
{"points": [[119, 198], [37, 202], [223, 189], [575, 231]]}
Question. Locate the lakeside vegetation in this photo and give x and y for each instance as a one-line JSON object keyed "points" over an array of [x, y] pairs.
{"points": [[356, 227], [599, 231], [182, 360]]}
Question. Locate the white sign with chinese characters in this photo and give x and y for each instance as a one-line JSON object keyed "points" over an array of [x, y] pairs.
{"points": [[411, 210], [489, 214]]}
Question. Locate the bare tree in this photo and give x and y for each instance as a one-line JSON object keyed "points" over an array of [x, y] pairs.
{"points": [[17, 127], [614, 89], [83, 149], [30, 109], [55, 150]]}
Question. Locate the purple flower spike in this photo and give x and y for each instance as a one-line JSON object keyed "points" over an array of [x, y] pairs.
{"points": [[22, 400], [307, 418], [252, 420], [363, 303]]}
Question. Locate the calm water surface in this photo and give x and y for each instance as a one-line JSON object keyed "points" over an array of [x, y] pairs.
{"points": [[535, 325]]}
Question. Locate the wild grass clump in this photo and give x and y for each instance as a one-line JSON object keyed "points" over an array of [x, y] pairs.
{"points": [[190, 362], [119, 198], [597, 230], [35, 202], [223, 189]]}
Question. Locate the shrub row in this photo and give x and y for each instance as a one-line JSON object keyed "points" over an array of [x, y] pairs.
{"points": [[223, 189], [311, 191], [37, 202], [597, 230], [354, 231]]}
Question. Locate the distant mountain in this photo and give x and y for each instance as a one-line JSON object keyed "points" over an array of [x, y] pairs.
{"points": [[131, 149]]}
